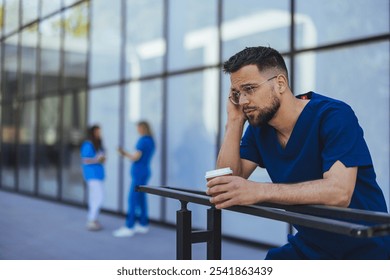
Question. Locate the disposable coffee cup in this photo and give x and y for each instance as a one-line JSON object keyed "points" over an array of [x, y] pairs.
{"points": [[218, 172]]}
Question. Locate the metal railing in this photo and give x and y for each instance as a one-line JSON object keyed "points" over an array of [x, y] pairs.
{"points": [[368, 223]]}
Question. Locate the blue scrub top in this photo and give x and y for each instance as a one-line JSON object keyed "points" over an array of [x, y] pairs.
{"points": [[141, 167], [326, 131], [95, 170]]}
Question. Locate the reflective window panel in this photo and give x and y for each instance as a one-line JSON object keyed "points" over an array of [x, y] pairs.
{"points": [[1, 142], [11, 11], [50, 32], [2, 17], [105, 41], [73, 133], [145, 50], [249, 23], [103, 109], [144, 102], [29, 10], [8, 146], [350, 19], [9, 75], [76, 46], [28, 60], [1, 74], [334, 73], [191, 135], [193, 34], [49, 7], [26, 146], [67, 3], [48, 147]]}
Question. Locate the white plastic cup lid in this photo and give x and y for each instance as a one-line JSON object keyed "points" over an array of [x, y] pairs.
{"points": [[218, 172]]}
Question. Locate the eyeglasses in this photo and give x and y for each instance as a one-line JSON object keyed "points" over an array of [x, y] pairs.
{"points": [[247, 90]]}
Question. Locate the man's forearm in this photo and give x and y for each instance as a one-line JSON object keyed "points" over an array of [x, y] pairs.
{"points": [[232, 190], [229, 154]]}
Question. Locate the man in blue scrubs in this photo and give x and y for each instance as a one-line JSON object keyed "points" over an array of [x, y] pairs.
{"points": [[311, 146]]}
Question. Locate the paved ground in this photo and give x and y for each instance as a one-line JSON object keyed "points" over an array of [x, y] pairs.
{"points": [[36, 229]]}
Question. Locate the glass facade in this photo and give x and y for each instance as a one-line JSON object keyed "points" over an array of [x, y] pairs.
{"points": [[144, 51], [192, 34], [105, 44], [255, 23], [74, 123], [67, 64], [27, 142]]}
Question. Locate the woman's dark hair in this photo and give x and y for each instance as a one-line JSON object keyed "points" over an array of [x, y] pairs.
{"points": [[264, 57], [96, 141]]}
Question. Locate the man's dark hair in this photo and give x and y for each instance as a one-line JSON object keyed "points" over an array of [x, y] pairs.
{"points": [[264, 57]]}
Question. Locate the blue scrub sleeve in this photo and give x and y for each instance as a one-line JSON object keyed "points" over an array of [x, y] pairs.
{"points": [[342, 139], [141, 144], [248, 147], [87, 150]]}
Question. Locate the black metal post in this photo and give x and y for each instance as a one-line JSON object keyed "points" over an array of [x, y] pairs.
{"points": [[183, 233], [214, 227]]}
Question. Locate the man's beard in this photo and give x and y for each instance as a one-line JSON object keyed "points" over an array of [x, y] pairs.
{"points": [[263, 116]]}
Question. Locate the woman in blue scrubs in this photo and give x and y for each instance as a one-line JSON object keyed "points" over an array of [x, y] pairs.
{"points": [[137, 215], [93, 158]]}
